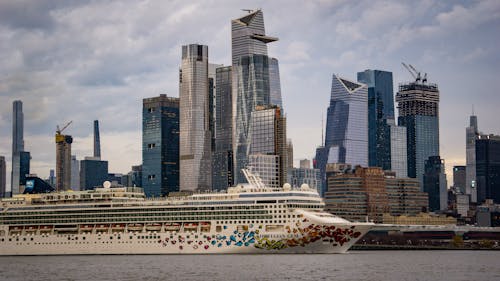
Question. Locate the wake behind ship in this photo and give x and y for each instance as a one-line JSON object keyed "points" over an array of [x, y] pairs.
{"points": [[248, 218]]}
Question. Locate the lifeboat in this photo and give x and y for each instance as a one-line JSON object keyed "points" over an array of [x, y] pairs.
{"points": [[31, 228], [205, 226], [46, 228], [118, 226], [135, 227], [15, 228], [153, 227], [101, 227], [172, 226], [190, 226], [86, 227]]}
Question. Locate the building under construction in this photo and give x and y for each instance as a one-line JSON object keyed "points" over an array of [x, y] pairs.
{"points": [[418, 105], [63, 159]]}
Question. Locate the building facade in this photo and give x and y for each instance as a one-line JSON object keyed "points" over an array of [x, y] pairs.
{"points": [[222, 168], [347, 122], [418, 105], [274, 82], [75, 173], [471, 133], [18, 174], [380, 115], [299, 176], [488, 168], [459, 178], [160, 145], [435, 184], [97, 140], [250, 80], [405, 197], [195, 135], [93, 172], [399, 156]]}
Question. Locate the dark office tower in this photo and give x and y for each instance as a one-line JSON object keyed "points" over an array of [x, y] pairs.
{"points": [[3, 177], [380, 116], [274, 82], [97, 140], [17, 144], [223, 153], [435, 183], [135, 176], [195, 136], [459, 173], [418, 104], [250, 80], [471, 133], [93, 172], [488, 168], [160, 145], [347, 123]]}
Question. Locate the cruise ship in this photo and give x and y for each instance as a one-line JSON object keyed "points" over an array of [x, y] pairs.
{"points": [[248, 218]]}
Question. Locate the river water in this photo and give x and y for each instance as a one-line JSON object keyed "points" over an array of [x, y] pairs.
{"points": [[355, 265]]}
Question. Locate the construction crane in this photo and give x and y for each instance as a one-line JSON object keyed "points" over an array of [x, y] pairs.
{"points": [[59, 135], [415, 73]]}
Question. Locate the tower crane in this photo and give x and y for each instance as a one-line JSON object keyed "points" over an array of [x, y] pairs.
{"points": [[59, 136]]}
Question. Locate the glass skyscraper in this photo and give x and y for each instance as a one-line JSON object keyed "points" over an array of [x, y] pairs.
{"points": [[17, 145], [93, 172], [250, 80], [418, 105], [223, 153], [347, 122], [160, 145], [380, 115], [195, 135], [435, 183], [488, 168], [3, 177], [274, 82]]}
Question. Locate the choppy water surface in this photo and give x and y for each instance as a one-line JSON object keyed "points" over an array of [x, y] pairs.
{"points": [[356, 265]]}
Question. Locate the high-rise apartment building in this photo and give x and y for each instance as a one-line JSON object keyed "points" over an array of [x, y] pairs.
{"points": [[97, 140], [267, 136], [223, 153], [195, 136], [274, 82], [418, 104], [63, 161], [347, 123], [471, 133], [75, 173], [380, 116], [298, 176], [488, 168], [250, 80], [459, 174], [93, 172], [289, 153], [3, 177], [435, 184], [160, 145]]}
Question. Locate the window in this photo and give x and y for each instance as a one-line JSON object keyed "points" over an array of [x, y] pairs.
{"points": [[151, 145]]}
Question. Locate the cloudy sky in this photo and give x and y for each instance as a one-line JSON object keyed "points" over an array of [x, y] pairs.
{"points": [[85, 60]]}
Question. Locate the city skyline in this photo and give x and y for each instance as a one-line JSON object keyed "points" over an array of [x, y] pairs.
{"points": [[109, 77]]}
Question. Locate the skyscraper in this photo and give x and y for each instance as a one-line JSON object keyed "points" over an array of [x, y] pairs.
{"points": [[459, 173], [63, 161], [267, 136], [97, 140], [223, 152], [380, 116], [75, 173], [471, 133], [289, 153], [250, 80], [160, 145], [399, 159], [17, 145], [347, 122], [435, 183], [488, 168], [195, 136], [3, 177], [93, 172], [274, 82], [418, 104]]}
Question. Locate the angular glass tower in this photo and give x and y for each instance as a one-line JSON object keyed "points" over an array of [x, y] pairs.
{"points": [[223, 153], [380, 115], [347, 122], [274, 82], [250, 80], [195, 135], [418, 105], [160, 145], [17, 144]]}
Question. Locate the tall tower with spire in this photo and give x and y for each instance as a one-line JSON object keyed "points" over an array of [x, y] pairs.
{"points": [[471, 134], [97, 140]]}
